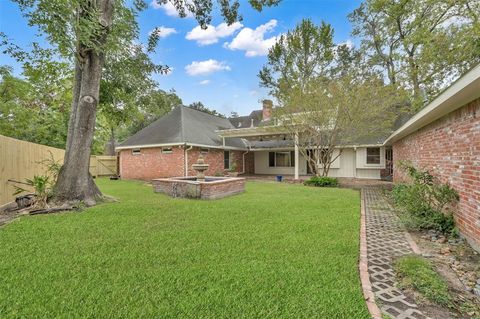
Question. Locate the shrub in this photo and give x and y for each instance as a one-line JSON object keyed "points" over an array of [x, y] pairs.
{"points": [[42, 185], [426, 202], [321, 181]]}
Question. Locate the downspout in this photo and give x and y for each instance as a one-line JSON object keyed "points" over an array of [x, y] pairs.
{"points": [[355, 162], [185, 157], [243, 157]]}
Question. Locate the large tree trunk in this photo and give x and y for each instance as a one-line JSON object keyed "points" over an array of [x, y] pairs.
{"points": [[74, 183], [111, 145], [74, 180]]}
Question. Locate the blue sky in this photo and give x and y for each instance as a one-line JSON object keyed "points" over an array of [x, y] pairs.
{"points": [[219, 66]]}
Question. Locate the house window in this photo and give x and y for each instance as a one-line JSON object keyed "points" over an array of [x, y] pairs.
{"points": [[167, 150], [226, 159], [373, 155], [204, 151], [136, 151], [281, 159]]}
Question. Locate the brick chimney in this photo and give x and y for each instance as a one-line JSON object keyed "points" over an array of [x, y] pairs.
{"points": [[267, 110]]}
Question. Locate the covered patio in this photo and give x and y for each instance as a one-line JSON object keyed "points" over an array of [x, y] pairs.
{"points": [[268, 138], [276, 152]]}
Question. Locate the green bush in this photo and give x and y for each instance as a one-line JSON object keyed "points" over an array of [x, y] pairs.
{"points": [[425, 201], [321, 181]]}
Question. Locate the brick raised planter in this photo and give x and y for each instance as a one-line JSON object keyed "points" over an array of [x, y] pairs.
{"points": [[188, 187]]}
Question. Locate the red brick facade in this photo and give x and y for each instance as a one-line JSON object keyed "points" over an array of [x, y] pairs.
{"points": [[450, 149], [151, 163]]}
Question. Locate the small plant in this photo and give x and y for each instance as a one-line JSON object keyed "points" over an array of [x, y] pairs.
{"points": [[42, 185], [321, 181], [233, 167], [418, 273], [426, 202]]}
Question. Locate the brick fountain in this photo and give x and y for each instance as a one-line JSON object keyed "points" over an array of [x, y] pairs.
{"points": [[201, 186]]}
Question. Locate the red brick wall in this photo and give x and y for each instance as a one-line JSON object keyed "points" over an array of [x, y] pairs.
{"points": [[214, 158], [450, 149], [151, 163]]}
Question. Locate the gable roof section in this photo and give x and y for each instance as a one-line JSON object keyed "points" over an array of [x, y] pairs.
{"points": [[184, 125], [464, 90]]}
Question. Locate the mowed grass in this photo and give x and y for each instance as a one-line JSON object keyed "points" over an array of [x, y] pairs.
{"points": [[276, 251]]}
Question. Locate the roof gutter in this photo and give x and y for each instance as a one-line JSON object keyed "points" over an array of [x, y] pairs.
{"points": [[119, 148]]}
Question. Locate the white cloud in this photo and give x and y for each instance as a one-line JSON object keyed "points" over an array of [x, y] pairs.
{"points": [[253, 41], [348, 43], [169, 9], [212, 34], [253, 92], [206, 67], [163, 32], [204, 82]]}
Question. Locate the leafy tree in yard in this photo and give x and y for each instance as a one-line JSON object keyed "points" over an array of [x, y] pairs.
{"points": [[125, 80], [333, 112], [87, 32], [422, 45], [325, 100], [299, 56], [36, 107]]}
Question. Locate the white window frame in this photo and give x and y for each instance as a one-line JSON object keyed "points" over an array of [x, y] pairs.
{"points": [[292, 159], [379, 156], [204, 150], [136, 151], [167, 150]]}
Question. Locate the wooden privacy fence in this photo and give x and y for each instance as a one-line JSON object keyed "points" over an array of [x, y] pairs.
{"points": [[103, 165], [20, 160]]}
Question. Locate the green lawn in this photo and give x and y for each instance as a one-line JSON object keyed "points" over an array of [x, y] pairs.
{"points": [[276, 251]]}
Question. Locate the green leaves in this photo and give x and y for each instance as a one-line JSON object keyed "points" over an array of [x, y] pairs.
{"points": [[303, 54], [421, 45], [426, 202]]}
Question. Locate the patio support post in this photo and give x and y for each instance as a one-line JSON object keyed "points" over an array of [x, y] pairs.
{"points": [[296, 156]]}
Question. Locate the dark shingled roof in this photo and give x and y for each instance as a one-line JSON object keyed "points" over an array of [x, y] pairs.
{"points": [[185, 125]]}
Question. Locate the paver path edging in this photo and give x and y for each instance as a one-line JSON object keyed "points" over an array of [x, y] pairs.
{"points": [[382, 240]]}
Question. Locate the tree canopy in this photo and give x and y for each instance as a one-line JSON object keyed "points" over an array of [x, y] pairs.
{"points": [[421, 45], [91, 35], [325, 98]]}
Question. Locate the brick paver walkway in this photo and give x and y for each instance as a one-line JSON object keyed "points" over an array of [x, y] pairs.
{"points": [[386, 240]]}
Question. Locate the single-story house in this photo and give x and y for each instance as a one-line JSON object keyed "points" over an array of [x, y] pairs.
{"points": [[169, 146], [444, 137], [249, 144]]}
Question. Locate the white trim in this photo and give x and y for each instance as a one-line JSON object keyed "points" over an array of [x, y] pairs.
{"points": [[293, 147], [165, 150], [460, 93], [297, 157], [185, 160], [118, 148], [243, 157]]}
